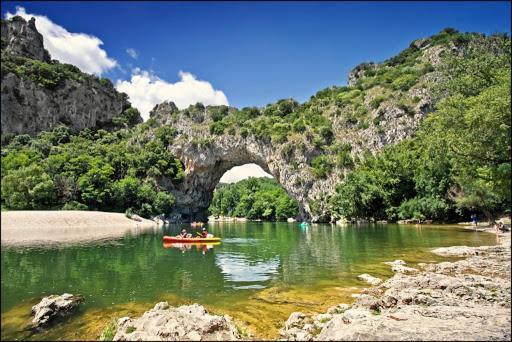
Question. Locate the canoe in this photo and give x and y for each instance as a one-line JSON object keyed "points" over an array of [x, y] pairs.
{"points": [[189, 245], [190, 240]]}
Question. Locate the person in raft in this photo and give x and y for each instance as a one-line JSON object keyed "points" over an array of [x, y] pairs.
{"points": [[184, 234], [204, 233]]}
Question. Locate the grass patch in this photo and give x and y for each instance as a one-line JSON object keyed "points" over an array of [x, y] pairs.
{"points": [[242, 330], [316, 330], [109, 331]]}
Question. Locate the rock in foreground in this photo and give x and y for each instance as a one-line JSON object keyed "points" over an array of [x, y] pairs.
{"points": [[185, 323], [369, 279], [54, 306], [464, 300]]}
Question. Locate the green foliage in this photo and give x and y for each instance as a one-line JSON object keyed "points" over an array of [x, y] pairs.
{"points": [[129, 118], [375, 103], [109, 331], [404, 82], [217, 128], [74, 205], [253, 198], [28, 187], [344, 159], [94, 170], [48, 75], [459, 161], [218, 113], [6, 138], [321, 166], [166, 134]]}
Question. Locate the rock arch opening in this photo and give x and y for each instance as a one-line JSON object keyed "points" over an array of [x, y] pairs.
{"points": [[206, 166], [247, 191]]}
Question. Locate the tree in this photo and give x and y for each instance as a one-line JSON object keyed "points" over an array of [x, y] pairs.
{"points": [[28, 187]]}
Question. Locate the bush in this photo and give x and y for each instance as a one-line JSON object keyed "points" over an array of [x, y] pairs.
{"points": [[244, 132], [74, 205], [375, 103], [298, 126], [345, 159], [129, 118], [326, 133], [129, 213], [166, 134], [218, 113], [28, 188], [7, 138], [164, 202], [217, 128], [404, 82], [321, 166]]}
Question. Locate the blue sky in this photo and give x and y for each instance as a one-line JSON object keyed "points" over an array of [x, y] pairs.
{"points": [[257, 53]]}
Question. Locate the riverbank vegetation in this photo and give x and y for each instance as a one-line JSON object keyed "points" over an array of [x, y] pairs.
{"points": [[253, 198], [458, 162], [94, 170]]}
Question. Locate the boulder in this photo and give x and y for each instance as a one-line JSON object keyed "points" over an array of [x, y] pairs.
{"points": [[54, 306], [165, 323], [369, 279], [398, 266]]}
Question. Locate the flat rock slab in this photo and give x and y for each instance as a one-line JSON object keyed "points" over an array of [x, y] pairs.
{"points": [[398, 266], [54, 306], [185, 323], [467, 299], [369, 279]]}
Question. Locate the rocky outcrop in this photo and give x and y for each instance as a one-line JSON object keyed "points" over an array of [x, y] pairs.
{"points": [[185, 323], [54, 306], [359, 71], [28, 107], [206, 157], [463, 300], [399, 266], [369, 279], [21, 38]]}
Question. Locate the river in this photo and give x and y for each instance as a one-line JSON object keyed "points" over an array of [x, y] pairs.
{"points": [[259, 274]]}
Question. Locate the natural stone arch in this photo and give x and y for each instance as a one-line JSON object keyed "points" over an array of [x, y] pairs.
{"points": [[205, 165], [206, 157]]}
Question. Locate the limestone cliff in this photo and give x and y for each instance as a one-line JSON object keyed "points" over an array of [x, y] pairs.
{"points": [[309, 148], [38, 94]]}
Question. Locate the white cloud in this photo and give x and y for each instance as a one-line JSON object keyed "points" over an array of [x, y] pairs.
{"points": [[145, 90], [239, 173], [133, 53], [79, 49]]}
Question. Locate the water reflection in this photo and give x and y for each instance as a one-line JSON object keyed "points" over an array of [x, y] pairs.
{"points": [[185, 247], [238, 268]]}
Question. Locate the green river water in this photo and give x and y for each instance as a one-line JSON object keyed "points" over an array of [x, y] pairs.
{"points": [[259, 274]]}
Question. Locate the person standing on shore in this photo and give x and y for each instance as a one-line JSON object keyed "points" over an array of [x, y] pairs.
{"points": [[473, 219]]}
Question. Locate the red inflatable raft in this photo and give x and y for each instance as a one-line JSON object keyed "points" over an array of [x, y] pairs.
{"points": [[190, 240]]}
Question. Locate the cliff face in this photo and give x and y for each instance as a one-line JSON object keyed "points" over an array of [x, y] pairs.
{"points": [[309, 148], [38, 94], [206, 157], [23, 39]]}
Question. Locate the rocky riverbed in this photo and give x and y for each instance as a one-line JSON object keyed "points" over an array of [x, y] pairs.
{"points": [[185, 323], [467, 299]]}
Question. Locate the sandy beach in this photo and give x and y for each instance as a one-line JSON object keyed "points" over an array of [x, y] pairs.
{"points": [[40, 227]]}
